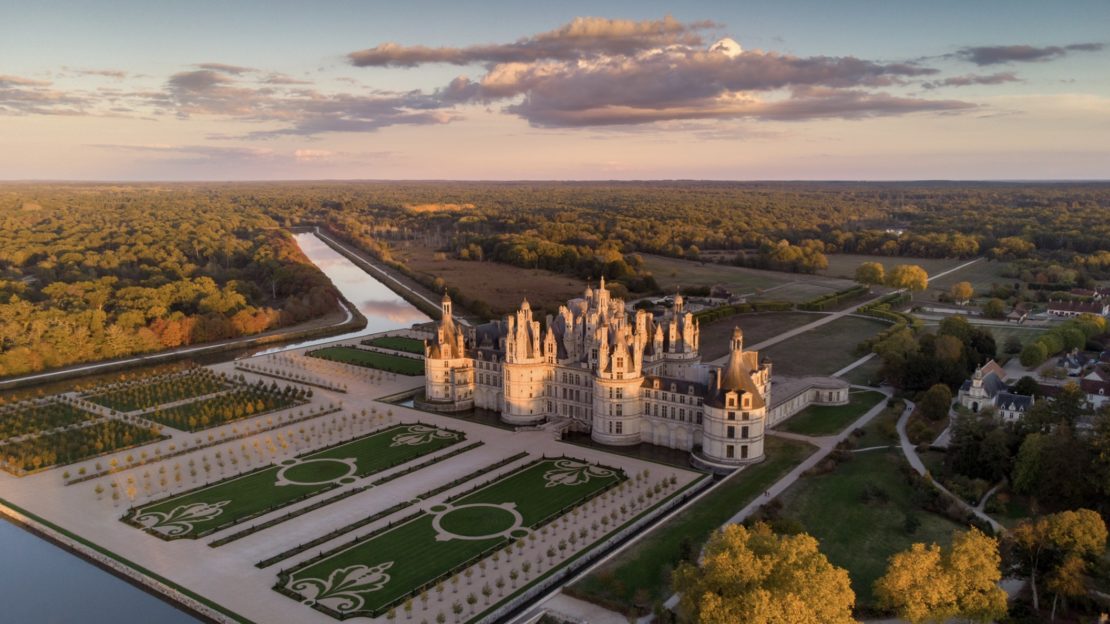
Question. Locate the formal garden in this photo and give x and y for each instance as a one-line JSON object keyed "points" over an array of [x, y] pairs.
{"points": [[242, 401], [147, 392], [397, 343], [73, 444], [37, 416], [201, 511], [371, 359], [415, 555]]}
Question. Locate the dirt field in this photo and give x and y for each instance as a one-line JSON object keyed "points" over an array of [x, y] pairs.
{"points": [[500, 285], [823, 350], [758, 284], [756, 327]]}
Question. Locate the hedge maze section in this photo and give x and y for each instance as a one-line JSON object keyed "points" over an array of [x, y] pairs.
{"points": [[208, 509]]}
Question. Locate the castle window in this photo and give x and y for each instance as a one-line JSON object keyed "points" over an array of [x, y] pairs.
{"points": [[744, 452], [730, 451], [620, 362], [747, 402], [620, 428], [620, 375], [747, 415], [672, 413], [732, 401], [731, 432], [620, 393], [744, 432], [620, 409], [732, 415], [610, 426], [682, 415], [699, 418]]}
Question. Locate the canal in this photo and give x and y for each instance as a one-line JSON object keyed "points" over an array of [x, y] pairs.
{"points": [[42, 583]]}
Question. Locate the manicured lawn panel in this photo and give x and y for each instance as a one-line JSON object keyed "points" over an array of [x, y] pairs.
{"points": [[820, 420], [647, 563], [257, 492], [397, 343], [413, 557], [860, 532], [371, 359]]}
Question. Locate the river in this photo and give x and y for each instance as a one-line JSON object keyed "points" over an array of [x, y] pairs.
{"points": [[42, 583]]}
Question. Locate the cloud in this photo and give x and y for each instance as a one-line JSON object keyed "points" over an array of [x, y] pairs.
{"points": [[28, 96], [234, 70], [995, 55], [117, 74], [968, 80], [582, 38]]}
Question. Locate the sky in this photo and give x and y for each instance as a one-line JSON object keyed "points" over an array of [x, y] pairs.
{"points": [[275, 90]]}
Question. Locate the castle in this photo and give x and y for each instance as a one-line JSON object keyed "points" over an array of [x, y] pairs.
{"points": [[625, 378]]}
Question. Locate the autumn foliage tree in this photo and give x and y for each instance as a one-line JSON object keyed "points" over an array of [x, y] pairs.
{"points": [[1059, 548], [908, 276], [961, 292], [871, 273], [758, 577], [930, 583]]}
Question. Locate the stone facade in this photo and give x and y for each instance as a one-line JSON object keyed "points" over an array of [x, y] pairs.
{"points": [[625, 378]]}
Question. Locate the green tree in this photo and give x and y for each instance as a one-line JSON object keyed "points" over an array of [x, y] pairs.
{"points": [[1034, 354], [758, 577], [935, 402], [994, 308]]}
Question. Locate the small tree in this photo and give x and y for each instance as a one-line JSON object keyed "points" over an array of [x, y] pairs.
{"points": [[908, 276], [870, 273], [961, 292], [935, 402]]}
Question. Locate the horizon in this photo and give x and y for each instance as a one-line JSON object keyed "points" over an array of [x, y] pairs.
{"points": [[620, 91]]}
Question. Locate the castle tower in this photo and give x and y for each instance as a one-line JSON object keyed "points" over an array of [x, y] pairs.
{"points": [[736, 409]]}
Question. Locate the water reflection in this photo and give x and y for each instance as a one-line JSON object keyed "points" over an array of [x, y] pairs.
{"points": [[42, 583], [383, 308]]}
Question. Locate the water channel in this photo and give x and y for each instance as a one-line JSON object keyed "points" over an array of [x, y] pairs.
{"points": [[42, 583]]}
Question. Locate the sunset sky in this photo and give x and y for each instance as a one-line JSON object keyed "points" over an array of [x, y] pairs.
{"points": [[559, 90]]}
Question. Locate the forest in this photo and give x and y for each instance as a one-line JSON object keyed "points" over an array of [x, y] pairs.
{"points": [[93, 273], [96, 271]]}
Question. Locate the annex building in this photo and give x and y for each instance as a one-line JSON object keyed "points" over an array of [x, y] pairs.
{"points": [[625, 378]]}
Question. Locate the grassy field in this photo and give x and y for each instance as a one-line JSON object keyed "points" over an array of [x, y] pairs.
{"points": [[982, 275], [397, 343], [881, 431], [645, 567], [500, 285], [822, 350], [146, 393], [371, 359], [858, 513], [866, 374], [822, 420], [757, 328], [416, 553], [671, 273], [845, 265], [198, 511]]}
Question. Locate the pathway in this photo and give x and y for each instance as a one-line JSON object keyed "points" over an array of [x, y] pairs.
{"points": [[910, 451], [850, 310], [853, 365]]}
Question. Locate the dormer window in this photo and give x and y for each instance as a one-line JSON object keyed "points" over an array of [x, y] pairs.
{"points": [[747, 402]]}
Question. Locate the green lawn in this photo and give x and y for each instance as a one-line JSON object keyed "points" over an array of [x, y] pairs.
{"points": [[820, 420], [881, 431], [647, 564], [371, 359], [397, 343], [414, 554], [824, 349], [201, 511], [860, 532], [866, 374]]}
